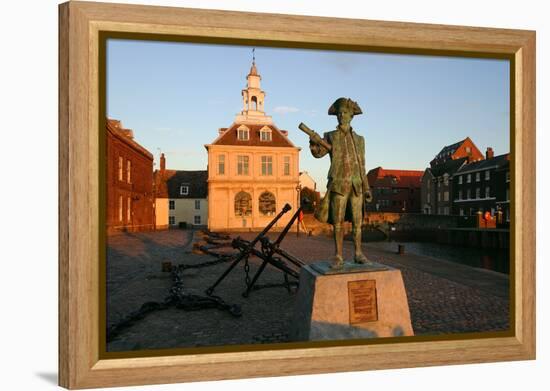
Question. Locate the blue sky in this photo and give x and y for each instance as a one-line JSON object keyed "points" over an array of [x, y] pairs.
{"points": [[175, 96]]}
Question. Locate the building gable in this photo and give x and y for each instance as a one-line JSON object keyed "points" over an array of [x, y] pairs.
{"points": [[126, 136], [449, 167], [469, 150], [427, 175], [461, 149]]}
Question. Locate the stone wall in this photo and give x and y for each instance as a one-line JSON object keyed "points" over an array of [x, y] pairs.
{"points": [[410, 221]]}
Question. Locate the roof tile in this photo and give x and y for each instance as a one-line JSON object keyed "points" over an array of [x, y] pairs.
{"points": [[229, 137], [168, 183]]}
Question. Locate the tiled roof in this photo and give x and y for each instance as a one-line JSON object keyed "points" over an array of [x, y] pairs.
{"points": [[382, 172], [168, 183], [229, 137], [403, 178], [494, 162], [460, 149], [450, 149]]}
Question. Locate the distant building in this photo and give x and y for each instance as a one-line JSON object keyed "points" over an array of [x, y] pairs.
{"points": [[427, 193], [462, 149], [309, 196], [306, 180], [436, 182], [478, 185], [181, 197], [394, 190], [129, 182], [502, 191], [253, 167], [437, 187]]}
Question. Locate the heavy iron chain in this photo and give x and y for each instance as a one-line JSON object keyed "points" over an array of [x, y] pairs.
{"points": [[177, 298], [221, 259], [247, 272]]}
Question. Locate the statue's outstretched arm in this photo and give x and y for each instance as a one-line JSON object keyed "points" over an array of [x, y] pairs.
{"points": [[318, 146]]}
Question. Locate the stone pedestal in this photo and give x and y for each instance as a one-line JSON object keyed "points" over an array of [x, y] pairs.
{"points": [[357, 301]]}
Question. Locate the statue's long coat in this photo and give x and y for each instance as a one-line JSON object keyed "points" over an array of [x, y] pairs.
{"points": [[337, 176]]}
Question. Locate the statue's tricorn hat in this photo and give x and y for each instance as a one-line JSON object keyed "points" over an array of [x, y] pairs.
{"points": [[333, 109]]}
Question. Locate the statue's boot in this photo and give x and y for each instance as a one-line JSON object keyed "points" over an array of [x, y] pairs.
{"points": [[337, 262], [361, 258]]}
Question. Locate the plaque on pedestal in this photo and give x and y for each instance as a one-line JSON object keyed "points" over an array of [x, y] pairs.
{"points": [[355, 301]]}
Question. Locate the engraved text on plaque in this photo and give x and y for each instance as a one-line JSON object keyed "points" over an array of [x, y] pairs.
{"points": [[362, 301]]}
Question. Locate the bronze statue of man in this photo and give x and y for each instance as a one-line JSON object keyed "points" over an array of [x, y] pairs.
{"points": [[347, 187]]}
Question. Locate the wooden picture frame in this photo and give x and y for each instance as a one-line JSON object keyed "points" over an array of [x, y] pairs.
{"points": [[82, 23]]}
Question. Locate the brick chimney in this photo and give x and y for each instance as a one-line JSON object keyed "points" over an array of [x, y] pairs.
{"points": [[162, 162], [489, 154]]}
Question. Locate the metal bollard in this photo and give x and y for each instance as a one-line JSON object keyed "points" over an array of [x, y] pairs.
{"points": [[401, 249]]}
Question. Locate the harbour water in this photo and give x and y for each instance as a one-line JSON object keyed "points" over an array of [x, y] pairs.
{"points": [[491, 259]]}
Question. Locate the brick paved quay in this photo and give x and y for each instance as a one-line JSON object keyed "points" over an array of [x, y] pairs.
{"points": [[444, 297]]}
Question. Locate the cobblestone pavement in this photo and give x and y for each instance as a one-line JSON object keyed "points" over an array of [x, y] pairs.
{"points": [[439, 302]]}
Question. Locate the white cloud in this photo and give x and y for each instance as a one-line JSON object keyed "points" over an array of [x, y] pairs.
{"points": [[285, 109]]}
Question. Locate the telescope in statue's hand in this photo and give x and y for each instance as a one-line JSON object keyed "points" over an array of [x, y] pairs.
{"points": [[314, 136]]}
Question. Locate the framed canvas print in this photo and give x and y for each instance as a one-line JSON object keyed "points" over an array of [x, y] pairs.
{"points": [[282, 191]]}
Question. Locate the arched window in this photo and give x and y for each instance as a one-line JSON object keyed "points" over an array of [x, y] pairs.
{"points": [[243, 204], [266, 204], [254, 101]]}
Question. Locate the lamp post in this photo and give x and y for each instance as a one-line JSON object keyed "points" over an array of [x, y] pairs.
{"points": [[298, 190]]}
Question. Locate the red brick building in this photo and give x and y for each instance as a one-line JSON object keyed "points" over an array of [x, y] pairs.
{"points": [[462, 149], [394, 190], [130, 197]]}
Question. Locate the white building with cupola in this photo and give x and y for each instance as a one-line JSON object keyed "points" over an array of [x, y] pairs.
{"points": [[253, 167]]}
